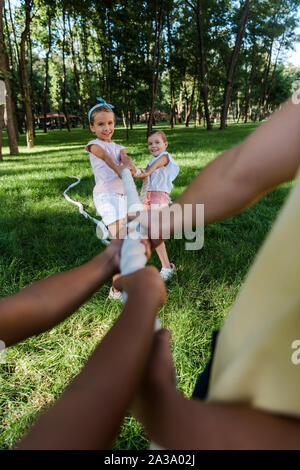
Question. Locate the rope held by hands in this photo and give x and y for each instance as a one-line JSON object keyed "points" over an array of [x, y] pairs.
{"points": [[133, 251]]}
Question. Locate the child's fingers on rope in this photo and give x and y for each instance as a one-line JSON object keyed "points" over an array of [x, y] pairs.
{"points": [[140, 173]]}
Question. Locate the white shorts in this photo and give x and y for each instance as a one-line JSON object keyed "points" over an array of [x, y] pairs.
{"points": [[110, 206]]}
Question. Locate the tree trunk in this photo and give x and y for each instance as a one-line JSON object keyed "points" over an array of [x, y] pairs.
{"points": [[264, 82], [84, 53], [155, 61], [1, 126], [14, 35], [190, 105], [131, 118], [203, 67], [110, 60], [64, 90], [46, 78], [103, 85], [172, 84], [179, 108], [233, 62], [29, 47], [4, 75], [59, 120], [12, 130], [124, 120], [268, 89], [172, 107], [18, 117], [249, 91], [26, 86], [198, 107], [11, 57], [198, 113], [11, 66], [76, 76]]}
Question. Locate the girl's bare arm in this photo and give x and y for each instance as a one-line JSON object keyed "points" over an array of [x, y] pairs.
{"points": [[99, 152]]}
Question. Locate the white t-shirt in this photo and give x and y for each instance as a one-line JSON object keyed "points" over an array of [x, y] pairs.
{"points": [[162, 178], [107, 181]]}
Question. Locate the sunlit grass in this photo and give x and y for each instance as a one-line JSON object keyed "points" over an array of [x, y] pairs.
{"points": [[41, 234]]}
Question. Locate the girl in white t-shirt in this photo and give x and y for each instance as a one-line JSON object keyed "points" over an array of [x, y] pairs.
{"points": [[108, 159], [161, 170]]}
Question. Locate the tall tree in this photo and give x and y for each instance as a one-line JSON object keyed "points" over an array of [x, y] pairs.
{"points": [[171, 74], [64, 76], [196, 7], [159, 17], [2, 101], [76, 76], [18, 84], [232, 65], [26, 85], [189, 101], [12, 66], [46, 77], [5, 76]]}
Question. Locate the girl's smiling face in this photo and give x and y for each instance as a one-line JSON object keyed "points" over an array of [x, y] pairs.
{"points": [[103, 125], [156, 144]]}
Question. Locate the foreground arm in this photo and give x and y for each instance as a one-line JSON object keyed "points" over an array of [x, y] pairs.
{"points": [[241, 175], [178, 423], [49, 301], [174, 422], [89, 413]]}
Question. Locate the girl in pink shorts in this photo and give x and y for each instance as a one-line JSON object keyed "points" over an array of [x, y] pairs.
{"points": [[161, 170]]}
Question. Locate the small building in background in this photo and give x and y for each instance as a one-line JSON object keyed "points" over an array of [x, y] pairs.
{"points": [[159, 116], [55, 121]]}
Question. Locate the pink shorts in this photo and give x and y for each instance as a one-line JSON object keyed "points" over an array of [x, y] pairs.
{"points": [[157, 199]]}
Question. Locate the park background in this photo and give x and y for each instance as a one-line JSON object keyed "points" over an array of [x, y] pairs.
{"points": [[205, 72]]}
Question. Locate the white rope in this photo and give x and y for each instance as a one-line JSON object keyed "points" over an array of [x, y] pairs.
{"points": [[133, 251], [102, 230]]}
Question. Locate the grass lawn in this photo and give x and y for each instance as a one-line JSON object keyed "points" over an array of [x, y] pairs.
{"points": [[41, 234]]}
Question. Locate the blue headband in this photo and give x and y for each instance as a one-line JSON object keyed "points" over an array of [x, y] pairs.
{"points": [[102, 103]]}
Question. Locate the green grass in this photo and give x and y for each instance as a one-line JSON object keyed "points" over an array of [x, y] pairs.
{"points": [[41, 234]]}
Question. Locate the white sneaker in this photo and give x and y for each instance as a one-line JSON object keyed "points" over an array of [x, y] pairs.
{"points": [[166, 273], [115, 295]]}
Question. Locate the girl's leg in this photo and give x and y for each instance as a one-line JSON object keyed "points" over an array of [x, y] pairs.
{"points": [[114, 229], [163, 255]]}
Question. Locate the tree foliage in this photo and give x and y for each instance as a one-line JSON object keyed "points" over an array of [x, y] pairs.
{"points": [[76, 51]]}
